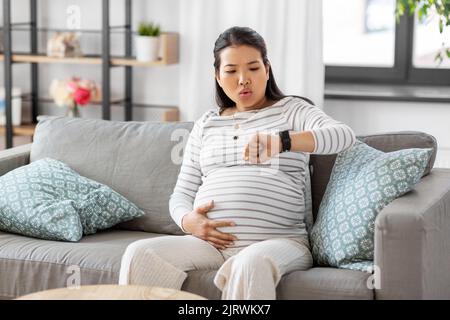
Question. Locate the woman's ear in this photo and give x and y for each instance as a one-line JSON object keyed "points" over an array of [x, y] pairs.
{"points": [[218, 79], [267, 70]]}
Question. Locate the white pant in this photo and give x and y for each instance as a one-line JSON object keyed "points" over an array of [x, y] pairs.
{"points": [[249, 273]]}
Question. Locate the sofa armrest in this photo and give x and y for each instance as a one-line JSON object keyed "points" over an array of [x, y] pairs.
{"points": [[412, 242], [13, 158]]}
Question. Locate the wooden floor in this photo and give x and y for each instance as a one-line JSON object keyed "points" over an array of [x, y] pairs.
{"points": [[17, 141]]}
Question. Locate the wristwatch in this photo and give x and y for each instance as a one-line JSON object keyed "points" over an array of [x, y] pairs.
{"points": [[285, 140]]}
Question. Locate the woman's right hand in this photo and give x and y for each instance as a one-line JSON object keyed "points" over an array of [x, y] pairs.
{"points": [[197, 224]]}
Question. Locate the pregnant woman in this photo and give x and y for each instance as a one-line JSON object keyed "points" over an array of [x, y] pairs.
{"points": [[243, 192]]}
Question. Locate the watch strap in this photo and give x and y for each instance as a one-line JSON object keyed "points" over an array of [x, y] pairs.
{"points": [[285, 140]]}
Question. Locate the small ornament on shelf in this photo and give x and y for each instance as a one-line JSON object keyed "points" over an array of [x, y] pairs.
{"points": [[64, 45], [74, 92]]}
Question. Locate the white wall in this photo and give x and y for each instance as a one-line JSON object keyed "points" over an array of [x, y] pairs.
{"points": [[156, 86], [367, 117]]}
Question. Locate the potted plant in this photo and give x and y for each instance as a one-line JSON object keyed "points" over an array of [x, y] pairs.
{"points": [[147, 42]]}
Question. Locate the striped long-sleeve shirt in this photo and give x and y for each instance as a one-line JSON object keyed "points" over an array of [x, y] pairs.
{"points": [[265, 200]]}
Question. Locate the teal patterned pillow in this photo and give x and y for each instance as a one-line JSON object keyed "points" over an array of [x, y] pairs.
{"points": [[363, 181], [46, 199]]}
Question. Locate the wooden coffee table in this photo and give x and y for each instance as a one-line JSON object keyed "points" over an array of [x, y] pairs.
{"points": [[112, 292]]}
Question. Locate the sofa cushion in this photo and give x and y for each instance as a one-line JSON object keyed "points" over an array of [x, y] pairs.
{"points": [[42, 200], [311, 284], [325, 284], [363, 181], [46, 199], [98, 258], [321, 165], [28, 265], [139, 160]]}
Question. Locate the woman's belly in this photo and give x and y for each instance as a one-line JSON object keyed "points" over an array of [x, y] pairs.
{"points": [[262, 202]]}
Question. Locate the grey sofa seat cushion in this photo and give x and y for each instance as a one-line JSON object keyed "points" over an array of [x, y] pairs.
{"points": [[133, 158], [322, 165], [324, 284], [201, 282], [29, 265], [312, 284]]}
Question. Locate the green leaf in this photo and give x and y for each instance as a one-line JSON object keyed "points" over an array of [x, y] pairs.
{"points": [[149, 29], [411, 7], [441, 26], [448, 53], [399, 11], [421, 14]]}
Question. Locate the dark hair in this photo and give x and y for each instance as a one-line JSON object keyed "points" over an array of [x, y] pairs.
{"points": [[244, 36]]}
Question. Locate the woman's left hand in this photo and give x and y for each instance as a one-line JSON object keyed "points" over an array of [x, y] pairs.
{"points": [[261, 147]]}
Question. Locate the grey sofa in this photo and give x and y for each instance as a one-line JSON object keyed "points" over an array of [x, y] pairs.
{"points": [[141, 160]]}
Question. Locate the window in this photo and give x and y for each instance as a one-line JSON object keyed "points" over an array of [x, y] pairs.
{"points": [[364, 44], [361, 37]]}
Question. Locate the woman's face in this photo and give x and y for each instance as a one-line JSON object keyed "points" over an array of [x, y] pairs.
{"points": [[243, 76]]}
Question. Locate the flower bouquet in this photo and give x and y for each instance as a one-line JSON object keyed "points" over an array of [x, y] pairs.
{"points": [[74, 92]]}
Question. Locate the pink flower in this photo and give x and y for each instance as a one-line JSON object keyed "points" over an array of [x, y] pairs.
{"points": [[82, 96], [73, 84], [74, 91]]}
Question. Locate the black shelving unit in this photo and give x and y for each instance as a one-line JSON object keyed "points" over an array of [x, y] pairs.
{"points": [[105, 56], [7, 58]]}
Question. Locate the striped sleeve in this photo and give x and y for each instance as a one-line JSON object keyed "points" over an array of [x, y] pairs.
{"points": [[330, 136], [190, 177]]}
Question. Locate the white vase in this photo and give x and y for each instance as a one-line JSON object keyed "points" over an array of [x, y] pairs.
{"points": [[147, 48], [16, 103]]}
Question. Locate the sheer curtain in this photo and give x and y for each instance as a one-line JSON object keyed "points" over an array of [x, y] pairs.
{"points": [[292, 30]]}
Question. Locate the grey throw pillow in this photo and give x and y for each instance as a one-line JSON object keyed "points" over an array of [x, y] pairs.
{"points": [[363, 181], [46, 199]]}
